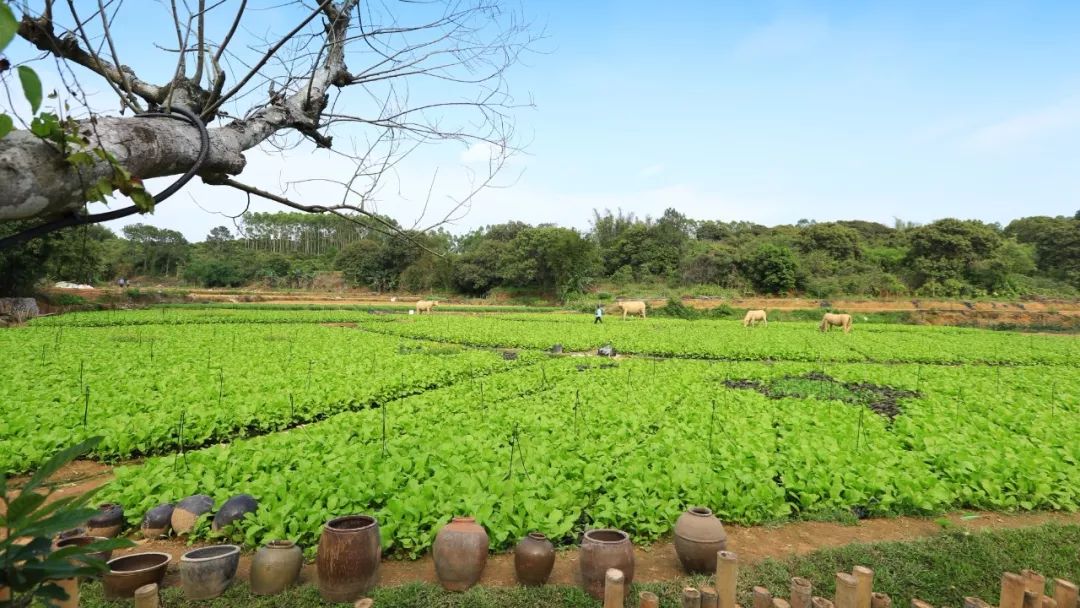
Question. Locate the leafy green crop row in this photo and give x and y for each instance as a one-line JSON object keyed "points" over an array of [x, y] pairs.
{"points": [[133, 385], [730, 340], [570, 443]]}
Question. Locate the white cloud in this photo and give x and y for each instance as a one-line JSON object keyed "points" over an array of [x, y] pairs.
{"points": [[480, 152], [783, 37], [1028, 126], [653, 170]]}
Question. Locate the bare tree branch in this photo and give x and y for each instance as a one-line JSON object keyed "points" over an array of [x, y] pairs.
{"points": [[287, 88]]}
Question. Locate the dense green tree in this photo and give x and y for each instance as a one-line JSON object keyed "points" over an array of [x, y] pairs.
{"points": [[158, 251], [837, 241], [552, 259], [771, 269], [948, 250]]}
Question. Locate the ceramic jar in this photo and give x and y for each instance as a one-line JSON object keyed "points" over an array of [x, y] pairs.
{"points": [[460, 553]]}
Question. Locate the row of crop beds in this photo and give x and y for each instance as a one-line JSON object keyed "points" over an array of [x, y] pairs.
{"points": [[778, 422]]}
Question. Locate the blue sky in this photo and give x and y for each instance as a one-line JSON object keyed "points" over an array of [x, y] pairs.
{"points": [[770, 112]]}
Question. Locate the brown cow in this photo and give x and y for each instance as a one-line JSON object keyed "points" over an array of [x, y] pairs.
{"points": [[632, 307], [837, 320], [753, 316]]}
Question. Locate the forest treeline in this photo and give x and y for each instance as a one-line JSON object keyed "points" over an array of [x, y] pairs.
{"points": [[946, 258]]}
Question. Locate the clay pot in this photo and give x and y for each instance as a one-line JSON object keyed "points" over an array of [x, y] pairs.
{"points": [[233, 510], [698, 536], [128, 573], [187, 512], [71, 588], [603, 549], [275, 567], [82, 541], [157, 522], [460, 553], [348, 558], [108, 522], [206, 573], [534, 557], [71, 532]]}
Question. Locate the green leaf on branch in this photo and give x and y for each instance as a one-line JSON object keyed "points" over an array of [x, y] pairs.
{"points": [[6, 124], [31, 85], [8, 25]]}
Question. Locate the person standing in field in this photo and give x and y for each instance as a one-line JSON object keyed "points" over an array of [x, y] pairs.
{"points": [[599, 315]]}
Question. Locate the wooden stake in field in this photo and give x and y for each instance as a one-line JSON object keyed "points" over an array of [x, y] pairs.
{"points": [[614, 588], [845, 590], [691, 598], [762, 598], [919, 604], [820, 602], [974, 602], [648, 599], [864, 583], [801, 592], [880, 600], [727, 570], [1064, 593], [1033, 599], [779, 602], [709, 599], [147, 596], [1033, 581], [1012, 590], [1048, 602]]}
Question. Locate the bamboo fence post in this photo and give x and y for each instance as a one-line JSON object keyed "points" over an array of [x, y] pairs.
{"points": [[614, 588], [648, 599], [919, 604], [1033, 581], [691, 598], [364, 602], [845, 590], [779, 602], [727, 568], [820, 602], [880, 600], [864, 586], [1048, 602], [1012, 590], [147, 596], [709, 599], [974, 602], [762, 598], [801, 592], [1064, 593], [1032, 599]]}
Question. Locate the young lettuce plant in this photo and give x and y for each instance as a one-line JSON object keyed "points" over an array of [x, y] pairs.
{"points": [[29, 567]]}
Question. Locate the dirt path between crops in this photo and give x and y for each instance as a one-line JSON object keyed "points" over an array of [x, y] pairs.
{"points": [[656, 562]]}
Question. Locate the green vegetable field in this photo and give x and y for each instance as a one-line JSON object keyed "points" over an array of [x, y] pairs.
{"points": [[417, 419]]}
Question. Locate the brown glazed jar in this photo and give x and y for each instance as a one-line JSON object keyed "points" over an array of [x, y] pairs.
{"points": [[698, 536], [348, 558], [460, 553], [603, 549], [534, 557], [275, 567]]}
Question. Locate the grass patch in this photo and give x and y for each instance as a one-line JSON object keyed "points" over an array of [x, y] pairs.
{"points": [[940, 570]]}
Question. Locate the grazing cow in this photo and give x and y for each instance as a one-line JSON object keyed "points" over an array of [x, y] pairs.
{"points": [[837, 320], [753, 316], [632, 307], [425, 305]]}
